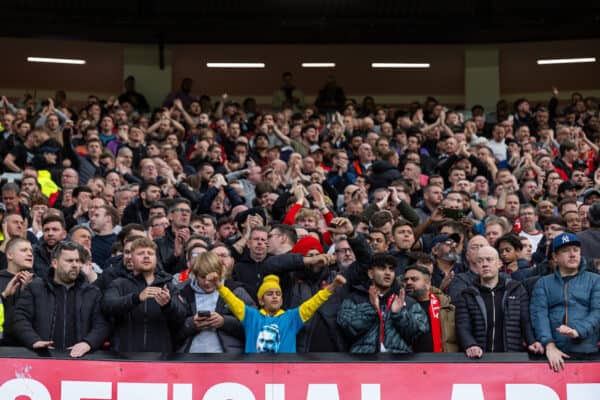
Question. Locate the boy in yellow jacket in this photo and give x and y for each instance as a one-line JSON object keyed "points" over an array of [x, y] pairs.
{"points": [[273, 330]]}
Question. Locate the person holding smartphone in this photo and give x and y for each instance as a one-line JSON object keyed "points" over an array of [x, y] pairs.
{"points": [[210, 327]]}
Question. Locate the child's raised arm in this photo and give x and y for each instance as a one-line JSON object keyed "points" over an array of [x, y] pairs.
{"points": [[237, 306], [310, 306]]}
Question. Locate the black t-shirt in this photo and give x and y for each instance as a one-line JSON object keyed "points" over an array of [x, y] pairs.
{"points": [[424, 343]]}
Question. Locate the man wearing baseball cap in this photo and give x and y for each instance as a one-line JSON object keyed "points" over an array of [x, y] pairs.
{"points": [[565, 306], [443, 249]]}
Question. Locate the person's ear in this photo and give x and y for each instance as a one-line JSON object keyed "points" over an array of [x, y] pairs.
{"points": [[370, 274]]}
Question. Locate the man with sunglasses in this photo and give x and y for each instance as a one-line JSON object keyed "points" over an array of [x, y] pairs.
{"points": [[61, 310]]}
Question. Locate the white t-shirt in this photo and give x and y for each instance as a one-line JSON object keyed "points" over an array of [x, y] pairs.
{"points": [[534, 239]]}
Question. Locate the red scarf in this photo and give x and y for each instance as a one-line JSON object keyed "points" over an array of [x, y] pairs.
{"points": [[436, 326], [357, 168], [382, 317]]}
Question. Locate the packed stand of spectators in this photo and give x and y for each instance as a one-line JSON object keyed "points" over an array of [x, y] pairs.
{"points": [[337, 226]]}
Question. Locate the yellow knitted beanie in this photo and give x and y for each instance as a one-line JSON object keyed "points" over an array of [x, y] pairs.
{"points": [[269, 282]]}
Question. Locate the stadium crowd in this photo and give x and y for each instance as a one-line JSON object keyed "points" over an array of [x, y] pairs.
{"points": [[337, 226]]}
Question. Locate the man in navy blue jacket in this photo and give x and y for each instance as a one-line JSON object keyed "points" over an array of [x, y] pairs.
{"points": [[565, 306]]}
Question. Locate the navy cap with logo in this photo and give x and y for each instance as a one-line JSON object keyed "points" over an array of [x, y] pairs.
{"points": [[565, 239]]}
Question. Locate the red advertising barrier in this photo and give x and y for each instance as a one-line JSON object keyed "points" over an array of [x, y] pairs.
{"points": [[49, 379]]}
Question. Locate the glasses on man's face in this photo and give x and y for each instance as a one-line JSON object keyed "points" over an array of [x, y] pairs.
{"points": [[343, 251], [183, 210]]}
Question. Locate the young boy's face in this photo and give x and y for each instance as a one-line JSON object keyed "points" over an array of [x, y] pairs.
{"points": [[272, 300]]}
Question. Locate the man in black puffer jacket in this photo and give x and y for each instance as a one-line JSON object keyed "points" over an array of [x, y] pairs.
{"points": [[62, 310], [493, 315], [144, 306]]}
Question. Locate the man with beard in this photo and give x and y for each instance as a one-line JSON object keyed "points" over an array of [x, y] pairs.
{"points": [[138, 211], [440, 313], [377, 316], [344, 255], [53, 231], [13, 280], [443, 249], [143, 305], [61, 310]]}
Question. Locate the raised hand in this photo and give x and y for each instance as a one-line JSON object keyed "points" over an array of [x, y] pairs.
{"points": [[341, 226], [398, 302], [11, 287], [337, 283], [374, 296]]}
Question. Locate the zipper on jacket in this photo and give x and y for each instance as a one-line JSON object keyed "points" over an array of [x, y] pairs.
{"points": [[65, 316], [566, 294], [145, 319], [493, 319]]}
